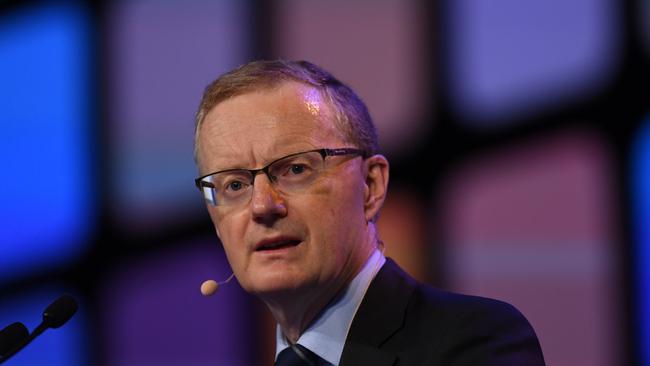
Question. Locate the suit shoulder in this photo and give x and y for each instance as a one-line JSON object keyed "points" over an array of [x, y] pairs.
{"points": [[443, 307], [422, 325], [475, 330], [458, 306]]}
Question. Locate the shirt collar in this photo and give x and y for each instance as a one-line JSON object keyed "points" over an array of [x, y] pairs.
{"points": [[326, 335]]}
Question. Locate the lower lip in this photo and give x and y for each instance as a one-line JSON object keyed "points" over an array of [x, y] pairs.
{"points": [[278, 251]]}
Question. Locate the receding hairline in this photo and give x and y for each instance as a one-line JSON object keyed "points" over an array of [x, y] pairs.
{"points": [[271, 85], [348, 111], [262, 87]]}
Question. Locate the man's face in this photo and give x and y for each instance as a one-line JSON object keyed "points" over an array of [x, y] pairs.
{"points": [[321, 231]]}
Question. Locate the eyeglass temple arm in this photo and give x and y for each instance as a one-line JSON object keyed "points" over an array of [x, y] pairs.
{"points": [[344, 151]]}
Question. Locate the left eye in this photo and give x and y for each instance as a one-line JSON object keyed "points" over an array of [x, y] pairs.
{"points": [[297, 169]]}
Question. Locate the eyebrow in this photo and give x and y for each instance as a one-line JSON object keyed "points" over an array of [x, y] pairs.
{"points": [[264, 163]]}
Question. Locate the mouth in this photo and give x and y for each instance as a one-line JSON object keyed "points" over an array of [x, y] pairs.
{"points": [[276, 244]]}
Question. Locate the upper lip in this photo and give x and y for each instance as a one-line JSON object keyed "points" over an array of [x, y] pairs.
{"points": [[274, 240]]}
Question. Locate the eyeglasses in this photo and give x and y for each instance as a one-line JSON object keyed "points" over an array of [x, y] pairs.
{"points": [[290, 174]]}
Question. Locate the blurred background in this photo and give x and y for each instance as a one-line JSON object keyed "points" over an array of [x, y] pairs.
{"points": [[518, 133]]}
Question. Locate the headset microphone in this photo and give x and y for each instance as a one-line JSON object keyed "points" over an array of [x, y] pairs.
{"points": [[210, 287]]}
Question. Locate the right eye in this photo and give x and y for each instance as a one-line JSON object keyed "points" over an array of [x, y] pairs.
{"points": [[234, 186]]}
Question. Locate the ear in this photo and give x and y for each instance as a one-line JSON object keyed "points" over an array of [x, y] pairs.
{"points": [[376, 170]]}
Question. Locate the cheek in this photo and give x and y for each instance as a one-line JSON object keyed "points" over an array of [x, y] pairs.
{"points": [[335, 210], [350, 196], [214, 216], [340, 195], [217, 221], [232, 239], [228, 230]]}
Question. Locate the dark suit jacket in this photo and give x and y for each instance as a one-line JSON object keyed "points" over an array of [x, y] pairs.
{"points": [[403, 322]]}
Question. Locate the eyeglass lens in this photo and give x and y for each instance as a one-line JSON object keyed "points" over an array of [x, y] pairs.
{"points": [[288, 175]]}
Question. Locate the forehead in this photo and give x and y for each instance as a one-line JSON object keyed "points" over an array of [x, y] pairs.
{"points": [[256, 127]]}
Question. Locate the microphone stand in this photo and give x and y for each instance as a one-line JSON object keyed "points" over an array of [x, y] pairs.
{"points": [[39, 329]]}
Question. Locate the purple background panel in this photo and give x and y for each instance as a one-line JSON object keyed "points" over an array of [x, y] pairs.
{"points": [[372, 46], [163, 54], [533, 224], [508, 57], [155, 314]]}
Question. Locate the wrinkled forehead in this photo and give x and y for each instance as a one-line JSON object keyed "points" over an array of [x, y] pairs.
{"points": [[263, 124]]}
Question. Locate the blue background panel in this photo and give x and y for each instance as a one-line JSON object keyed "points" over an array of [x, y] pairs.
{"points": [[641, 203], [43, 119]]}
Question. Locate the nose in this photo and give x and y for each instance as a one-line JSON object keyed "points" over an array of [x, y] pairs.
{"points": [[267, 204]]}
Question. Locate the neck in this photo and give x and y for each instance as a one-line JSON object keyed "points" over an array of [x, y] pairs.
{"points": [[296, 310], [296, 315]]}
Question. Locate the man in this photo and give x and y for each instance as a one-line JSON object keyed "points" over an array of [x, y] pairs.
{"points": [[288, 165]]}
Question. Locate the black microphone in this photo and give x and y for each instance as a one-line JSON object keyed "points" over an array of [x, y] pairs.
{"points": [[59, 312], [12, 337], [54, 316]]}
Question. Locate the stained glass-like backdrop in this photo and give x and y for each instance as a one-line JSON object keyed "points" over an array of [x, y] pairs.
{"points": [[518, 135]]}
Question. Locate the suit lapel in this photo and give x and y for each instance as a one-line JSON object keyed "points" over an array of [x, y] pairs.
{"points": [[380, 316]]}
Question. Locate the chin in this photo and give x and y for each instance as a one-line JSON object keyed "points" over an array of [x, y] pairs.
{"points": [[275, 284]]}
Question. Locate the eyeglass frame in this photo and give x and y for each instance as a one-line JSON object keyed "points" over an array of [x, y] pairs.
{"points": [[324, 152]]}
